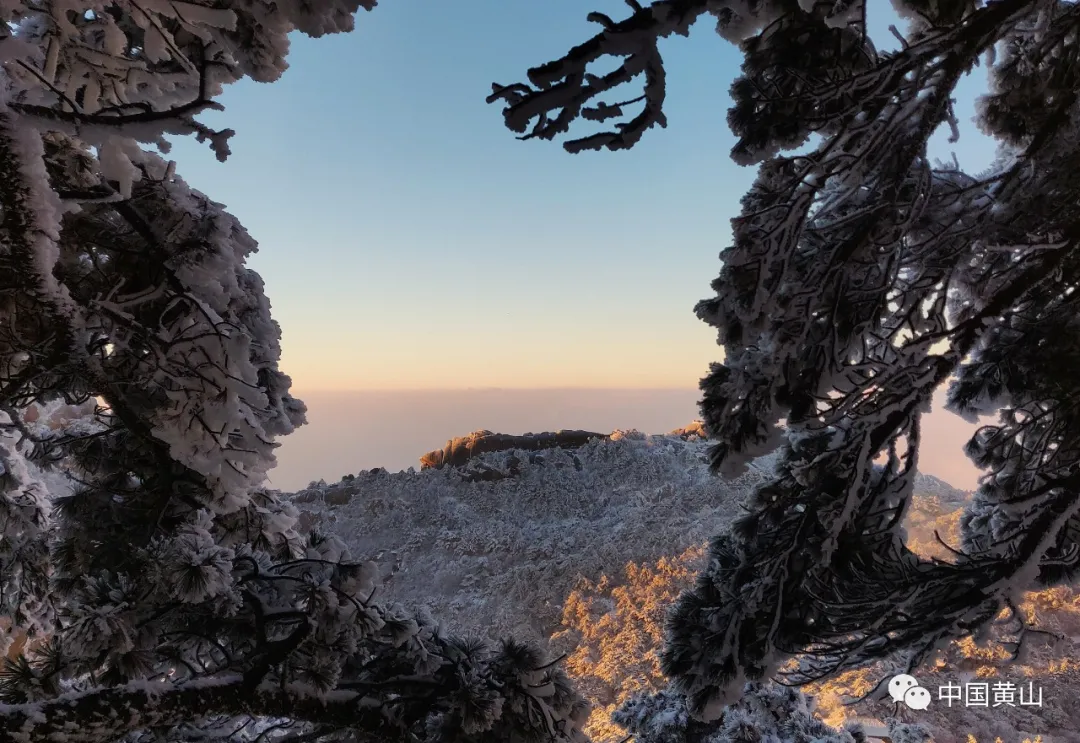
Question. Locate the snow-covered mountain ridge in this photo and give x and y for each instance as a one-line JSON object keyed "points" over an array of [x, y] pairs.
{"points": [[496, 545]]}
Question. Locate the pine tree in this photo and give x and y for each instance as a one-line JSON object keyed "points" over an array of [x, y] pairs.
{"points": [[862, 276], [158, 590]]}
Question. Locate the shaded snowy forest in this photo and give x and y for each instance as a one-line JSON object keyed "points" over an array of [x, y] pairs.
{"points": [[153, 588]]}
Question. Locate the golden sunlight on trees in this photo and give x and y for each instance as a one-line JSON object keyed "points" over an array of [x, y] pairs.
{"points": [[612, 632], [17, 639], [613, 628]]}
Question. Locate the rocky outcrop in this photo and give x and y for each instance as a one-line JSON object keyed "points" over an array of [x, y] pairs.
{"points": [[458, 452], [695, 430]]}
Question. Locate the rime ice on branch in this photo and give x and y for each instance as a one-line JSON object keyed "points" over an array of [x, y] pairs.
{"points": [[163, 593], [861, 277]]}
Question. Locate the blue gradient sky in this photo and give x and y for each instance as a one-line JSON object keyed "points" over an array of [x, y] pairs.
{"points": [[408, 241]]}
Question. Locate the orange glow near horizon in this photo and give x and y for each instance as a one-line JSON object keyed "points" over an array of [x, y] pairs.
{"points": [[480, 361]]}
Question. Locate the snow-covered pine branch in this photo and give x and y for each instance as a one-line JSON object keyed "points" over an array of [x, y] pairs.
{"points": [[861, 278], [131, 71], [157, 589]]}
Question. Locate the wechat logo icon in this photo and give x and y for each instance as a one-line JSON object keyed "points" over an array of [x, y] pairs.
{"points": [[905, 689]]}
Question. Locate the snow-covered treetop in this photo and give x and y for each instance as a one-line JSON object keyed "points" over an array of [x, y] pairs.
{"points": [[126, 286]]}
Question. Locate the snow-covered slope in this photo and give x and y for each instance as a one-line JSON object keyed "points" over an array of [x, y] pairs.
{"points": [[499, 557]]}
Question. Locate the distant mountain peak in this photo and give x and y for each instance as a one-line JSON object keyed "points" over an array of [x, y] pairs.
{"points": [[930, 485]]}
